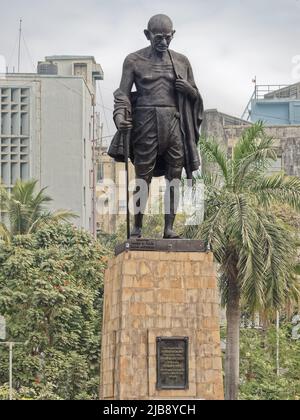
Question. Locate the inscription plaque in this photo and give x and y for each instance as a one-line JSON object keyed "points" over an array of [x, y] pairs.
{"points": [[172, 363], [161, 245]]}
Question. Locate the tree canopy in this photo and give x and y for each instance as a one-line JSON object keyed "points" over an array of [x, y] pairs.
{"points": [[255, 247], [51, 291]]}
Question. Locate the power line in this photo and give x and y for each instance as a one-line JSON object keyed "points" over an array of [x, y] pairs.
{"points": [[77, 92], [100, 104], [28, 53], [103, 106], [13, 51]]}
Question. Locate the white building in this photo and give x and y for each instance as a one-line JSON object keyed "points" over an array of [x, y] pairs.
{"points": [[47, 131]]}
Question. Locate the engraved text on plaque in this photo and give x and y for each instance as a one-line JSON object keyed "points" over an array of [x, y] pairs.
{"points": [[172, 363]]}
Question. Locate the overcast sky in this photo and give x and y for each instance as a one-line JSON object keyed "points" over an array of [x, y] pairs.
{"points": [[227, 41]]}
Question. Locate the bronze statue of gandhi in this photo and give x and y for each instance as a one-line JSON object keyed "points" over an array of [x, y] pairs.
{"points": [[163, 115]]}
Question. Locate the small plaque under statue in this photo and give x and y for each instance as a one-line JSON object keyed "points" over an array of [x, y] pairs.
{"points": [[172, 363]]}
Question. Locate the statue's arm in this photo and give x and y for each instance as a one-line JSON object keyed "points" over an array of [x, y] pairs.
{"points": [[122, 112], [127, 76], [188, 87]]}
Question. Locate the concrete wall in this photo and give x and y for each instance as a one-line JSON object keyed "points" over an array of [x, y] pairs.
{"points": [[213, 126], [286, 138], [287, 141], [64, 130], [214, 123]]}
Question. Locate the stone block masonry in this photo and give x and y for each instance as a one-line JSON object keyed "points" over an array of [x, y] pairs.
{"points": [[160, 294]]}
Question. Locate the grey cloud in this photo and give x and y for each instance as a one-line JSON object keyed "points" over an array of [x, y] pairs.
{"points": [[228, 42]]}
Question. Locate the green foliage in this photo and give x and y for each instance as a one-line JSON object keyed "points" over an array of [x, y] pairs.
{"points": [[51, 291], [26, 210], [107, 240], [259, 380], [254, 245]]}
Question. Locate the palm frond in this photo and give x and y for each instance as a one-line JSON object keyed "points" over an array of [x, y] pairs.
{"points": [[213, 153], [57, 216], [63, 215], [250, 242], [277, 188], [248, 141], [3, 198], [26, 209], [4, 233], [23, 190], [253, 155]]}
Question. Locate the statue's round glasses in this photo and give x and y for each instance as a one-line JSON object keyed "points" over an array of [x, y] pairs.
{"points": [[161, 37]]}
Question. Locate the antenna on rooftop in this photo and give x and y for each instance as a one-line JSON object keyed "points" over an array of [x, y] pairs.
{"points": [[19, 49]]}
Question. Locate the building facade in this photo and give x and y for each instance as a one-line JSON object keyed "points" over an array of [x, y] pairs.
{"points": [[47, 131], [111, 192], [227, 130]]}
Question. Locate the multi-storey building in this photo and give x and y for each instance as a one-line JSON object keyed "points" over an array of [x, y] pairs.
{"points": [[47, 131]]}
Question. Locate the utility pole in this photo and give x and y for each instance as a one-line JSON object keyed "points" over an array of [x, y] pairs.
{"points": [[10, 371], [19, 49], [10, 345], [277, 343], [94, 229]]}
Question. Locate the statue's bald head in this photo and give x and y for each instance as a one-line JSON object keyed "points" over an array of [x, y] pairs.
{"points": [[160, 24], [160, 32]]}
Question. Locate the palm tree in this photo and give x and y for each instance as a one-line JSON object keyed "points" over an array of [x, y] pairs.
{"points": [[254, 248], [25, 211]]}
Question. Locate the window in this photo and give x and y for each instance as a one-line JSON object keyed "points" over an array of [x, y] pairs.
{"points": [[24, 124]]}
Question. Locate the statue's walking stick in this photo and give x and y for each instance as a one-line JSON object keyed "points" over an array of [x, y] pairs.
{"points": [[126, 142]]}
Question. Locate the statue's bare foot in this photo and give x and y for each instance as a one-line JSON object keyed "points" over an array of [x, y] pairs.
{"points": [[136, 233], [170, 234]]}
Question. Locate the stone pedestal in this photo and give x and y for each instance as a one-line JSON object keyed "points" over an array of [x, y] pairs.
{"points": [[150, 295]]}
